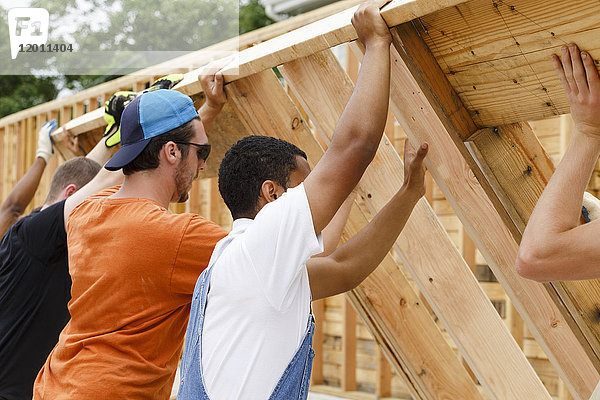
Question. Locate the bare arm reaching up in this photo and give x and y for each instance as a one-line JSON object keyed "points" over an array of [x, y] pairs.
{"points": [[361, 125], [21, 195], [554, 246]]}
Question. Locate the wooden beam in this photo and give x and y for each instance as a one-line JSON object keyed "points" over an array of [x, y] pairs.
{"points": [[383, 383], [318, 308], [311, 38], [419, 354], [496, 53], [348, 347], [416, 103], [194, 59], [425, 248]]}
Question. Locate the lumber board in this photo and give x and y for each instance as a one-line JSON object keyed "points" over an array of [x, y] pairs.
{"points": [[318, 307], [415, 105], [349, 348], [105, 90], [514, 160], [496, 53], [424, 246], [311, 38], [264, 107]]}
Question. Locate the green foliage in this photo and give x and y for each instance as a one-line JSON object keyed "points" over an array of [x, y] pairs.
{"points": [[129, 25], [253, 16], [18, 92]]}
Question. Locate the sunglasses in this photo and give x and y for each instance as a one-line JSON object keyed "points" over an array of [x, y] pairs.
{"points": [[202, 152]]}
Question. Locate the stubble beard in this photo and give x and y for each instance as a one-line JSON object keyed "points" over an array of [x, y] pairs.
{"points": [[183, 184]]}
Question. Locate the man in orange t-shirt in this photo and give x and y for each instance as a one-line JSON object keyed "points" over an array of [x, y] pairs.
{"points": [[133, 264]]}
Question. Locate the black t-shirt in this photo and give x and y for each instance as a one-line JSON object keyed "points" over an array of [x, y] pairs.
{"points": [[35, 288]]}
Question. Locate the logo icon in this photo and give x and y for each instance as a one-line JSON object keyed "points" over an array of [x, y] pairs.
{"points": [[27, 26]]}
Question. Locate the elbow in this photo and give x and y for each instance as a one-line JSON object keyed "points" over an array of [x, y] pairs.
{"points": [[361, 152], [531, 264]]}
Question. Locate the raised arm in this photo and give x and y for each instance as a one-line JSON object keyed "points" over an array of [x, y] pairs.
{"points": [[104, 179], [20, 196], [351, 263], [554, 246], [359, 130]]}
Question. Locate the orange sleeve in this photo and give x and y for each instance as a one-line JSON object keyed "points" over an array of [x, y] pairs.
{"points": [[196, 247]]}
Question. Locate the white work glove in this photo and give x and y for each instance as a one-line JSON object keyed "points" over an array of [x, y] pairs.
{"points": [[44, 147], [592, 206]]}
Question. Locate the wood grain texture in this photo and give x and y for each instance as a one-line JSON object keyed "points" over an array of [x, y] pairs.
{"points": [[385, 301], [514, 160], [496, 53], [414, 104], [441, 274]]}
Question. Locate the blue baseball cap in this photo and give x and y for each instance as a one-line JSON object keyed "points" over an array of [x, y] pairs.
{"points": [[149, 115]]}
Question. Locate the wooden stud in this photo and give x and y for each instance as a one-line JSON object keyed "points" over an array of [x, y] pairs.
{"points": [[469, 251], [418, 89], [318, 308], [349, 348], [383, 382]]}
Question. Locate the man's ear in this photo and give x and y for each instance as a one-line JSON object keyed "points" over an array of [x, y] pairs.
{"points": [[268, 191], [68, 191], [170, 152]]}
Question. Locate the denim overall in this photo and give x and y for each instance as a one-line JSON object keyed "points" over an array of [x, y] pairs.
{"points": [[292, 385]]}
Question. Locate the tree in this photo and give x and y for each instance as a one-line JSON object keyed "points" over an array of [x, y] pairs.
{"points": [[128, 26]]}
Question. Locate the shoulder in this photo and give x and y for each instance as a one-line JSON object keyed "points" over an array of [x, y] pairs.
{"points": [[202, 228], [93, 199]]}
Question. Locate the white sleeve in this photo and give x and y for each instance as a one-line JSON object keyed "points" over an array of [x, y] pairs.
{"points": [[280, 241]]}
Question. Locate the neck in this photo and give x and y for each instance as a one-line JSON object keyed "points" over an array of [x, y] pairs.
{"points": [[147, 185]]}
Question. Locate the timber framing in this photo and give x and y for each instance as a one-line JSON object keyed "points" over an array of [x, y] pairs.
{"points": [[466, 76]]}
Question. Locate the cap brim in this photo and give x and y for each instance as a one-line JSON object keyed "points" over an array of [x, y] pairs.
{"points": [[126, 155]]}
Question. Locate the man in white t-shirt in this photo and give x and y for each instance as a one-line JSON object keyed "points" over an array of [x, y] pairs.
{"points": [[250, 329]]}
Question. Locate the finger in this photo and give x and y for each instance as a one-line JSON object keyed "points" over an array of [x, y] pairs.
{"points": [[591, 72], [423, 150], [568, 68], [578, 70], [560, 72], [417, 162]]}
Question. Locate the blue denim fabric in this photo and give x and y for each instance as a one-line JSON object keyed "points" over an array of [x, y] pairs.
{"points": [[292, 385]]}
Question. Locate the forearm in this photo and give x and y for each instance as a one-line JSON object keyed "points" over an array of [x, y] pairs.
{"points": [[208, 113], [553, 242], [100, 153], [365, 251], [351, 263], [24, 190], [365, 115], [559, 207]]}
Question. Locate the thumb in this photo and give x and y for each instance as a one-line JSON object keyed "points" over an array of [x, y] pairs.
{"points": [[417, 162]]}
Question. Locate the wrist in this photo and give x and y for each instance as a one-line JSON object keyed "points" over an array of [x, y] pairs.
{"points": [[411, 193], [213, 105], [44, 155], [587, 137], [378, 43]]}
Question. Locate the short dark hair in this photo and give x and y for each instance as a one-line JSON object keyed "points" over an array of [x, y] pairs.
{"points": [[148, 158], [77, 171], [250, 162]]}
